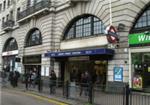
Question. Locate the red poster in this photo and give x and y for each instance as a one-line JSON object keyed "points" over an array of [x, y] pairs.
{"points": [[137, 82]]}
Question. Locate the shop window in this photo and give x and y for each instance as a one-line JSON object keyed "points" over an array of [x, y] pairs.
{"points": [[0, 7], [7, 17], [31, 3], [141, 70], [84, 26], [18, 11], [8, 3], [10, 45], [11, 15], [37, 1], [97, 70], [33, 38], [4, 5], [3, 20]]}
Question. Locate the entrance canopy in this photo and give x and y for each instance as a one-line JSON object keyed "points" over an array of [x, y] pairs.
{"points": [[101, 51]]}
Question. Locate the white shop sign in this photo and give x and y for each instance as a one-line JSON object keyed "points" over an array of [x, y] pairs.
{"points": [[8, 53]]}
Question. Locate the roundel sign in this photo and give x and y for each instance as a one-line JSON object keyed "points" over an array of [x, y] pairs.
{"points": [[112, 35]]}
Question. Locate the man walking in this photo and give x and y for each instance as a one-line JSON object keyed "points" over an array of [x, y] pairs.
{"points": [[52, 82]]}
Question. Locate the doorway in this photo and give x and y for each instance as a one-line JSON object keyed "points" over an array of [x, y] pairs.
{"points": [[141, 70], [33, 71], [97, 70]]}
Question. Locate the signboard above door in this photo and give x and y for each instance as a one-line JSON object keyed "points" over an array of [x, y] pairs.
{"points": [[139, 39], [80, 58]]}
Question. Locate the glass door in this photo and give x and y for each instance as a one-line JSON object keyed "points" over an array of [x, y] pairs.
{"points": [[140, 70], [146, 71]]}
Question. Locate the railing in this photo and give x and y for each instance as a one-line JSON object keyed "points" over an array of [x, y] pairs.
{"points": [[89, 93], [83, 92], [8, 25], [139, 98], [30, 10]]}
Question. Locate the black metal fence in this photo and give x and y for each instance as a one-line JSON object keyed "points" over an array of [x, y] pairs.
{"points": [[139, 98], [36, 7], [98, 94], [8, 23], [108, 95], [85, 93], [92, 93]]}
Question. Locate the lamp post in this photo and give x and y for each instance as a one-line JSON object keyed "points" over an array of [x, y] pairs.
{"points": [[110, 12]]}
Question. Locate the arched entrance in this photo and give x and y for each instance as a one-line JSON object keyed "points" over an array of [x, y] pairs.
{"points": [[83, 50], [84, 26], [32, 62], [10, 51]]}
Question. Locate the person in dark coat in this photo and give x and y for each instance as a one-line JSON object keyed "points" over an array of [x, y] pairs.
{"points": [[52, 82], [73, 76], [13, 78], [84, 83], [27, 79], [3, 76], [16, 77]]}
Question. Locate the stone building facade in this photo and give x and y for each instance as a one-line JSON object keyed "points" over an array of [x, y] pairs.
{"points": [[52, 21]]}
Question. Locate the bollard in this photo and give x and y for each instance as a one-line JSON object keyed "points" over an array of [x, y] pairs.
{"points": [[90, 93], [127, 94], [67, 89]]}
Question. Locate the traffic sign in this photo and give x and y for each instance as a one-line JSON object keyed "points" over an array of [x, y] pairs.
{"points": [[118, 74], [112, 34]]}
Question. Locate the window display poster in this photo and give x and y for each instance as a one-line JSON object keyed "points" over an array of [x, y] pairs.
{"points": [[137, 82], [19, 70], [149, 69], [18, 67], [45, 71], [118, 74]]}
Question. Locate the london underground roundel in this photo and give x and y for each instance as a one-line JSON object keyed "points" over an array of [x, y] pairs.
{"points": [[112, 35]]}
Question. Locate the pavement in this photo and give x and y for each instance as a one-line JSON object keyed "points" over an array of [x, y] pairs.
{"points": [[55, 99], [12, 97]]}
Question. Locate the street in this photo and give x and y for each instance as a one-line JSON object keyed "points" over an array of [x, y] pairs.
{"points": [[74, 52], [9, 97]]}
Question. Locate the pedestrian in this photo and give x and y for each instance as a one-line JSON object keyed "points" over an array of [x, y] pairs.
{"points": [[82, 83], [3, 76], [16, 77], [73, 76], [53, 79], [87, 82], [12, 78], [33, 79], [27, 79]]}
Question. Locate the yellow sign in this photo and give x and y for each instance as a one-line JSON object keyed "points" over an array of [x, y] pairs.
{"points": [[148, 69]]}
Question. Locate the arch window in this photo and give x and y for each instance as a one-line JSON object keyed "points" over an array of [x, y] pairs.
{"points": [[10, 45], [34, 38], [143, 22], [84, 26]]}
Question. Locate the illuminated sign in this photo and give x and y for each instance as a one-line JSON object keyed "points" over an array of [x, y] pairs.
{"points": [[118, 74], [8, 53], [137, 82], [112, 35], [80, 53], [139, 38]]}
